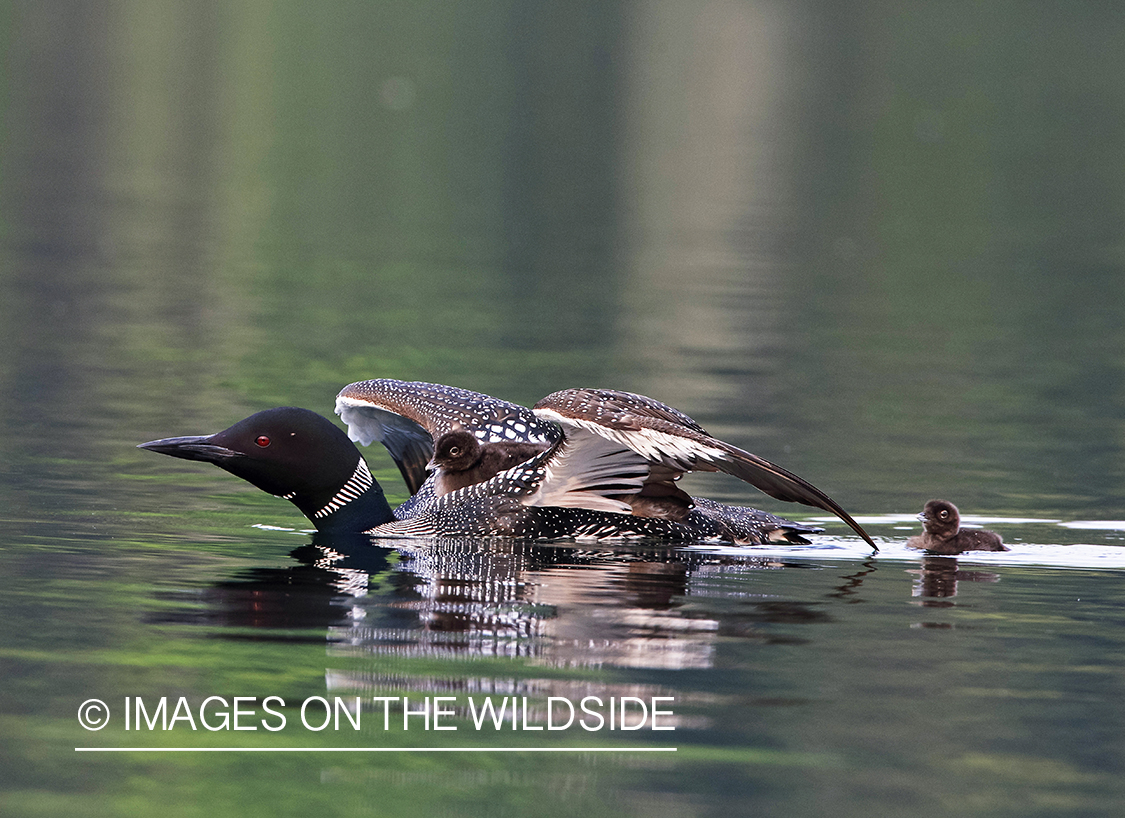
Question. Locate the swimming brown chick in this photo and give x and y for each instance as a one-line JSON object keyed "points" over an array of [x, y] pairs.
{"points": [[461, 460], [942, 535]]}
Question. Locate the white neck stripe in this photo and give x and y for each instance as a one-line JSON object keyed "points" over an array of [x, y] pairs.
{"points": [[360, 481]]}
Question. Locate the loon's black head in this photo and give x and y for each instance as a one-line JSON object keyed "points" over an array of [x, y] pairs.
{"points": [[940, 518], [295, 454]]}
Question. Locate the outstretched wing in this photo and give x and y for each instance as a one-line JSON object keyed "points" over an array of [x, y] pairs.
{"points": [[408, 416], [661, 435]]}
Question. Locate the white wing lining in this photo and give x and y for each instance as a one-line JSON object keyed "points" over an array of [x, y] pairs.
{"points": [[653, 446], [589, 471]]}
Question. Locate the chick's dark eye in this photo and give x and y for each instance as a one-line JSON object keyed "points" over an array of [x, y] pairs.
{"points": [[454, 451], [262, 440]]}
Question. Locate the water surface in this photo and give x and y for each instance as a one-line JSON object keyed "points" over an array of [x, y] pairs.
{"points": [[879, 247]]}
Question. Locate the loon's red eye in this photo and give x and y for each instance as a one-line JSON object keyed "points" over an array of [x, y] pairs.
{"points": [[262, 440]]}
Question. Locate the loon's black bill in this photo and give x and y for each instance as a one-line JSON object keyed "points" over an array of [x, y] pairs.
{"points": [[191, 448]]}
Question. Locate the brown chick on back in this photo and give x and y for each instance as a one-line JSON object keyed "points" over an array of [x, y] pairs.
{"points": [[462, 460]]}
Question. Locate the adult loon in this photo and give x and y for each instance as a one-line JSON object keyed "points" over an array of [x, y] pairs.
{"points": [[605, 468], [941, 523]]}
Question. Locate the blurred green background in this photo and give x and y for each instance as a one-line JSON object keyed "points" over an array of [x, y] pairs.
{"points": [[880, 245]]}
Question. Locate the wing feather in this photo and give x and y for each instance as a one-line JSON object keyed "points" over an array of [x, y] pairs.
{"points": [[408, 416], [589, 472], [666, 436]]}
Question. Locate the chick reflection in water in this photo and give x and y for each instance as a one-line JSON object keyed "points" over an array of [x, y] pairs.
{"points": [[938, 579]]}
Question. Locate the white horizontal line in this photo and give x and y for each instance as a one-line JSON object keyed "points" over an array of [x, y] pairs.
{"points": [[375, 749]]}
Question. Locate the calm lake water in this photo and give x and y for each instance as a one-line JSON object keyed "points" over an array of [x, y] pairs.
{"points": [[880, 247]]}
